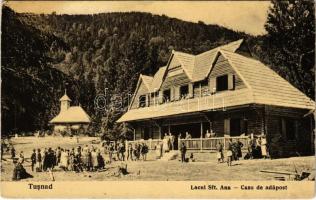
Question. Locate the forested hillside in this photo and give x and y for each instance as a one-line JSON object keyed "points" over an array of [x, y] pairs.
{"points": [[110, 50], [31, 87]]}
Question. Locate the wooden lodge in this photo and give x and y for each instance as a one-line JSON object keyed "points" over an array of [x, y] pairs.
{"points": [[225, 91]]}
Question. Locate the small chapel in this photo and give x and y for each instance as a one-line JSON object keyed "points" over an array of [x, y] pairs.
{"points": [[70, 118]]}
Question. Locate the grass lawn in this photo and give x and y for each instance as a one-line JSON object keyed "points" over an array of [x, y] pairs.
{"points": [[205, 167]]}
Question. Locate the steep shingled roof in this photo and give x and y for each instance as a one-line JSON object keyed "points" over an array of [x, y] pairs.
{"points": [[264, 86], [203, 61], [147, 81], [157, 80], [74, 114]]}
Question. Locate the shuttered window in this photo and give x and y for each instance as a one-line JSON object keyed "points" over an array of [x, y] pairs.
{"points": [[142, 101], [231, 82], [212, 85]]}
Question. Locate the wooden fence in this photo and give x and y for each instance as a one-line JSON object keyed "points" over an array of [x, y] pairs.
{"points": [[197, 143], [210, 143]]}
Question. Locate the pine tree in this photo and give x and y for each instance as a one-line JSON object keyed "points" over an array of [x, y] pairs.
{"points": [[291, 41]]}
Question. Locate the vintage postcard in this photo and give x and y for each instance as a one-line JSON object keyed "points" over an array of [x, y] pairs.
{"points": [[158, 99]]}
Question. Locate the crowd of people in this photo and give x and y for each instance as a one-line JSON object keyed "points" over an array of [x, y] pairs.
{"points": [[92, 158], [257, 148]]}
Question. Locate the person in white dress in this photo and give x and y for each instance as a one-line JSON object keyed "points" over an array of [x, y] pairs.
{"points": [[264, 147], [166, 143], [64, 159]]}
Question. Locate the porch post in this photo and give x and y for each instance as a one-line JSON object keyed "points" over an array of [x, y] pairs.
{"points": [[159, 132], [168, 128], [201, 138], [134, 134]]}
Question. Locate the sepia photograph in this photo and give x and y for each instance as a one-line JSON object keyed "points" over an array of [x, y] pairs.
{"points": [[158, 91]]}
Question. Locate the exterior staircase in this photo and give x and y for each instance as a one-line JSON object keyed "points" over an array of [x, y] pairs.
{"points": [[171, 155]]}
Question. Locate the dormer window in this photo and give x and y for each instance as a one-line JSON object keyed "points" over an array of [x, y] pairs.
{"points": [[166, 95], [225, 82], [142, 101], [222, 83], [184, 91]]}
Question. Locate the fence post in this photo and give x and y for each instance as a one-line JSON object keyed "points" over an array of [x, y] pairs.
{"points": [[224, 139], [201, 149], [126, 147]]}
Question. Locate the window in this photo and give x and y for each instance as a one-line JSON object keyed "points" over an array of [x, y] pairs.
{"points": [[166, 95], [142, 101], [184, 91], [222, 83]]}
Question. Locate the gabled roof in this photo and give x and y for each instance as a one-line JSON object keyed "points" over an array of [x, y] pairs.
{"points": [[147, 81], [203, 61], [266, 85], [74, 114], [187, 62], [157, 80]]}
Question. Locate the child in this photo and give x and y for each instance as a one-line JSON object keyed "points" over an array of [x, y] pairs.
{"points": [[192, 158]]}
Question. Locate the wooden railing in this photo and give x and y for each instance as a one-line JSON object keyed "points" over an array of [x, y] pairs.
{"points": [[210, 143], [197, 143]]}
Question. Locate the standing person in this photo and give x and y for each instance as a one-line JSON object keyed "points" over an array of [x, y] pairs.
{"points": [[44, 160], [219, 155], [21, 157], [144, 151], [229, 153], [12, 152], [165, 143], [50, 159], [64, 159], [183, 150], [239, 147], [100, 159], [161, 148], [58, 154], [158, 150], [138, 150], [118, 149], [122, 151], [38, 167], [111, 150], [130, 152], [208, 134], [187, 135], [94, 160], [71, 160], [235, 151], [172, 140], [33, 160], [77, 161], [250, 147], [264, 147]]}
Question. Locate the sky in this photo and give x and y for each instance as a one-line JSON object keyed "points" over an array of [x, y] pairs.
{"points": [[247, 16]]}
